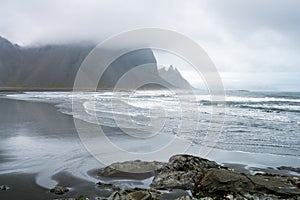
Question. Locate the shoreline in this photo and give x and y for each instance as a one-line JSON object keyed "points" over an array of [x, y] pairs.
{"points": [[24, 115], [24, 186]]}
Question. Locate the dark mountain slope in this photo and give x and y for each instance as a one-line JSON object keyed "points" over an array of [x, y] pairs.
{"points": [[54, 67]]}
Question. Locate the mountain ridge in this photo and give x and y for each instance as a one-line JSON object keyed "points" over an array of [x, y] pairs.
{"points": [[54, 67]]}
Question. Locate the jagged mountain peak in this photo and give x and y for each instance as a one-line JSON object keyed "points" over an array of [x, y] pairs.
{"points": [[172, 75]]}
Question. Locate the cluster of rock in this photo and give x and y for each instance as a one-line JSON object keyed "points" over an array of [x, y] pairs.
{"points": [[181, 172], [59, 190], [200, 179], [4, 187]]}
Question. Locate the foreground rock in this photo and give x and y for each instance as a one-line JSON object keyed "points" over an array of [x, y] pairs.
{"points": [[148, 194], [283, 186], [4, 187], [218, 183], [79, 197], [136, 194], [295, 169], [205, 179], [108, 186], [130, 169], [59, 190], [181, 171]]}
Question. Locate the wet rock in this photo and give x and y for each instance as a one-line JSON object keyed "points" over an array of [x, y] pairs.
{"points": [[186, 198], [154, 194], [4, 187], [217, 182], [59, 190], [206, 179], [135, 194], [294, 169], [248, 196], [130, 169], [174, 180], [174, 194], [181, 171], [115, 196], [108, 186], [275, 184], [80, 197], [106, 189], [297, 183], [184, 162]]}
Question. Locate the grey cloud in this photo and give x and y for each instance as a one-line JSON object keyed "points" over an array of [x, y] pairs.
{"points": [[280, 15], [241, 36], [65, 20]]}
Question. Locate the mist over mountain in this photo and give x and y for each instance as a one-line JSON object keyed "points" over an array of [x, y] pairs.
{"points": [[172, 75], [54, 67]]}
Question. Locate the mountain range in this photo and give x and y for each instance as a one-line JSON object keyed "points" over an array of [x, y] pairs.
{"points": [[54, 67]]}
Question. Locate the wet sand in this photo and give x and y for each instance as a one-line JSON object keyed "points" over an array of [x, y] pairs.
{"points": [[40, 148], [22, 121], [22, 186]]}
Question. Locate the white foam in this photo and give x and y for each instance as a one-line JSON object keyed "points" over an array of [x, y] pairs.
{"points": [[257, 99]]}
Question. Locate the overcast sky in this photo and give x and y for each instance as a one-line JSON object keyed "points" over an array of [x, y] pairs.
{"points": [[254, 43]]}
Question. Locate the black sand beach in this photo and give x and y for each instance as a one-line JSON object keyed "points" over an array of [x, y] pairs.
{"points": [[35, 120], [26, 175]]}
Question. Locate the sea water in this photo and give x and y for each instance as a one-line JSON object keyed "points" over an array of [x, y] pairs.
{"points": [[260, 129]]}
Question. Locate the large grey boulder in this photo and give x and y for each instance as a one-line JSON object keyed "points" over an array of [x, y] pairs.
{"points": [[181, 172], [218, 183], [136, 169]]}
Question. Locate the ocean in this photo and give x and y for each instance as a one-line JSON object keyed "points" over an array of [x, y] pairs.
{"points": [[260, 129], [259, 122]]}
